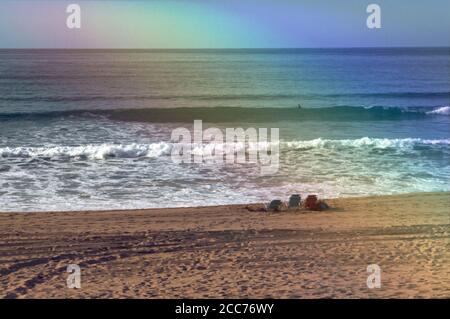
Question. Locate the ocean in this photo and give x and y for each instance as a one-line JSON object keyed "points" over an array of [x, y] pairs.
{"points": [[82, 130]]}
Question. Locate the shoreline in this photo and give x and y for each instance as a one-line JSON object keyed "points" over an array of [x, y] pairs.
{"points": [[237, 205], [229, 251]]}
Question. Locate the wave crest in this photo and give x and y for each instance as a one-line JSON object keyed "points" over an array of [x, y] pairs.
{"points": [[153, 150], [102, 151], [445, 110], [379, 143]]}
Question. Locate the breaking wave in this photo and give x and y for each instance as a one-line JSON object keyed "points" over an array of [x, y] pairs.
{"points": [[153, 150], [445, 110], [102, 151], [378, 143]]}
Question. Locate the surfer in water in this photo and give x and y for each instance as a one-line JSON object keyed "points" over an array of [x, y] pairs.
{"points": [[299, 106]]}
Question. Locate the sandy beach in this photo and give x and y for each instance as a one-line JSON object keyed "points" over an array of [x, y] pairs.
{"points": [[232, 251]]}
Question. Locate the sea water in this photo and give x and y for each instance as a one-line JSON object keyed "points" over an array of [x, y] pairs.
{"points": [[91, 129]]}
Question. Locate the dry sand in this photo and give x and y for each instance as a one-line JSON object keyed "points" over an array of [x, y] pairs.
{"points": [[229, 251]]}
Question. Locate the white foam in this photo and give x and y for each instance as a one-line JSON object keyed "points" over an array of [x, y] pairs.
{"points": [[444, 110], [101, 151], [152, 150], [381, 143]]}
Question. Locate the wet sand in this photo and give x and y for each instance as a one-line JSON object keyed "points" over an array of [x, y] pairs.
{"points": [[231, 251]]}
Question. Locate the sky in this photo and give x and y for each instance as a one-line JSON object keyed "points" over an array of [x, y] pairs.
{"points": [[223, 24]]}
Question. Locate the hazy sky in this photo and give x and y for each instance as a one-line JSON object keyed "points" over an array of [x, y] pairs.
{"points": [[223, 24]]}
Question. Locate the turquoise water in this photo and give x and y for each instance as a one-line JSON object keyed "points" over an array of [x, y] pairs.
{"points": [[91, 129]]}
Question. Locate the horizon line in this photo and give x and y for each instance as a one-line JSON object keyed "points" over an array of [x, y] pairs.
{"points": [[242, 48]]}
